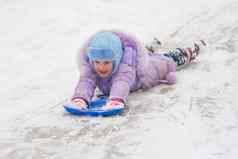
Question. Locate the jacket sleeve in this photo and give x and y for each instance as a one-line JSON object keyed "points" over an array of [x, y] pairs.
{"points": [[87, 82], [125, 76]]}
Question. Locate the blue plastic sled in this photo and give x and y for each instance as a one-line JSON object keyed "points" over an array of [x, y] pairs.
{"points": [[94, 109]]}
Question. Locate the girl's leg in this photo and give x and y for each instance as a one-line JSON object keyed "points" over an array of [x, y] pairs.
{"points": [[183, 56]]}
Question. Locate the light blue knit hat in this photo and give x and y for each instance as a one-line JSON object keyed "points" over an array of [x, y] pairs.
{"points": [[106, 46]]}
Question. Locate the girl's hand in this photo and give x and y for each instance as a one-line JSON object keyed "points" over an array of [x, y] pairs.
{"points": [[111, 104], [80, 103]]}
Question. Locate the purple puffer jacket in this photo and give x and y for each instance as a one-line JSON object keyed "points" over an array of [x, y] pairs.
{"points": [[138, 69]]}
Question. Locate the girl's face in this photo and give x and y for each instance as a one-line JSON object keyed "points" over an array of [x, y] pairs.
{"points": [[103, 68]]}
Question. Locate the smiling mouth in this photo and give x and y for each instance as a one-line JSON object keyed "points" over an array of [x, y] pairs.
{"points": [[102, 72]]}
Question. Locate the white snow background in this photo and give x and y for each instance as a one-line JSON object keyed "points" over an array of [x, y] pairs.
{"points": [[195, 119]]}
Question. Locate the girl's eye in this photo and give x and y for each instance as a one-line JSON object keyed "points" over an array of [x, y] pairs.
{"points": [[107, 62], [102, 63]]}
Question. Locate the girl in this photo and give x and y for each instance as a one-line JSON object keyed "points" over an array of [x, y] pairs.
{"points": [[118, 64]]}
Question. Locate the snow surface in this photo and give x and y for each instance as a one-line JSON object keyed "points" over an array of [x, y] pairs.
{"points": [[195, 119]]}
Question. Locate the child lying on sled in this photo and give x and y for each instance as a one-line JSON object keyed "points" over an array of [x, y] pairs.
{"points": [[118, 64]]}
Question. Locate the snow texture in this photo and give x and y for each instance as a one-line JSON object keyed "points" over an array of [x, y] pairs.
{"points": [[195, 119]]}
